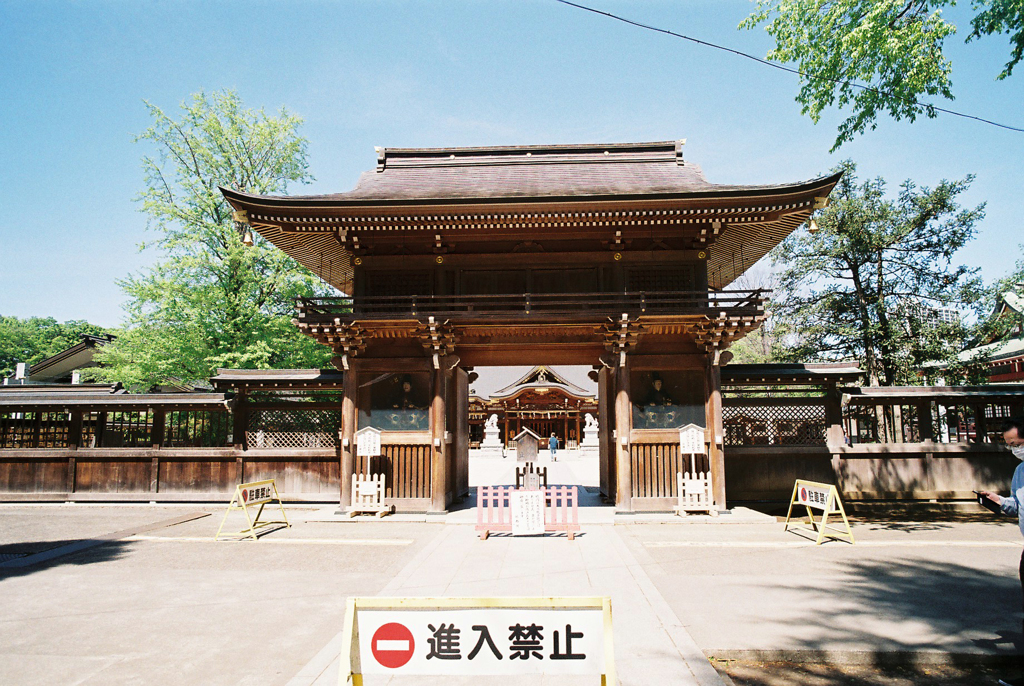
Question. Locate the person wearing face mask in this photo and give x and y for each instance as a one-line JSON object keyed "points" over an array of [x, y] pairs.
{"points": [[1013, 435]]}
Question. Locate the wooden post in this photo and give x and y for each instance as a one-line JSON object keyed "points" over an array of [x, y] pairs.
{"points": [[461, 445], [980, 424], [36, 425], [156, 439], [350, 385], [75, 430], [240, 419], [924, 420], [438, 464], [623, 425], [156, 436], [833, 416], [606, 465], [100, 429], [713, 413]]}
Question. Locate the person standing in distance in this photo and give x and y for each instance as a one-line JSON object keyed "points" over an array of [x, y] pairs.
{"points": [[553, 445], [1013, 435]]}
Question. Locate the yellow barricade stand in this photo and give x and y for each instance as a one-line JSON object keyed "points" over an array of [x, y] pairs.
{"points": [[250, 495], [824, 497]]}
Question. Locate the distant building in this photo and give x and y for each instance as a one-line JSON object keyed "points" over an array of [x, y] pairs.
{"points": [[63, 367], [1001, 358]]}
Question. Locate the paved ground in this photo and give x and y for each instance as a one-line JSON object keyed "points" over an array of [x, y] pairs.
{"points": [[911, 602]]}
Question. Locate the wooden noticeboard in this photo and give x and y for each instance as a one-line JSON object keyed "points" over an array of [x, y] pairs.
{"points": [[368, 442]]}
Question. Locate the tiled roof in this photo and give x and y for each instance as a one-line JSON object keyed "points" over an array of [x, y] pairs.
{"points": [[528, 171]]}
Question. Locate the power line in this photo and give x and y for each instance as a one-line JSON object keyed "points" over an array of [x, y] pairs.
{"points": [[854, 84]]}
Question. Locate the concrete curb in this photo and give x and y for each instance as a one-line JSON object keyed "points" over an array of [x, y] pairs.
{"points": [[869, 657], [696, 661]]}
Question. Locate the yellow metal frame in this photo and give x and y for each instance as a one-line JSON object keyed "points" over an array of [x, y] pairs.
{"points": [[821, 527], [254, 522], [350, 670]]}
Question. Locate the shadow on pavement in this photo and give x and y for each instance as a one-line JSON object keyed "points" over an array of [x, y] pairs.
{"points": [[21, 559]]}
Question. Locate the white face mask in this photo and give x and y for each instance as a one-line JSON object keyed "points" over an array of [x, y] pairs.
{"points": [[1018, 451]]}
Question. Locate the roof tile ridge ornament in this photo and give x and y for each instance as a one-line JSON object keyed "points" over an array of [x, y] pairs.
{"points": [[382, 158], [679, 151]]}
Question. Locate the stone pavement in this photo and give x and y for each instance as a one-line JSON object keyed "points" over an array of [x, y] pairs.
{"points": [[651, 646], [121, 595]]}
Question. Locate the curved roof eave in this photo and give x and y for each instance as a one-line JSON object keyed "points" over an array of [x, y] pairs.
{"points": [[339, 200]]}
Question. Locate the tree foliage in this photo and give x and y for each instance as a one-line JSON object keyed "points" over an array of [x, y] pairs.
{"points": [[895, 47], [36, 338], [212, 301], [861, 287]]}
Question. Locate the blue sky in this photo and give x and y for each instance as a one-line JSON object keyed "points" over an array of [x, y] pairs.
{"points": [[419, 74]]}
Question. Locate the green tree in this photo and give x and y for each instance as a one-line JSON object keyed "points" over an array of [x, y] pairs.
{"points": [[212, 301], [864, 285], [895, 47], [36, 338]]}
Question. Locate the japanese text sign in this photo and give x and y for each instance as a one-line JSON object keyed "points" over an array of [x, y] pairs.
{"points": [[477, 636], [527, 512], [368, 442], [257, 493], [691, 440], [813, 496]]}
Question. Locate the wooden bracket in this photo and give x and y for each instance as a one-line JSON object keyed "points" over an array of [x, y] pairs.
{"points": [[438, 340], [619, 336], [348, 341]]}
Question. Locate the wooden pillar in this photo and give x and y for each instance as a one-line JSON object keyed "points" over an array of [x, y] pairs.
{"points": [[623, 425], [924, 420], [157, 439], [565, 435], [438, 463], [461, 379], [980, 423], [605, 420], [506, 438], [75, 429], [579, 433], [100, 429], [350, 385], [74, 440], [713, 412], [833, 416], [240, 419]]}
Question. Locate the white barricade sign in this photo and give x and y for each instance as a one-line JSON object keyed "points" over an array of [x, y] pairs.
{"points": [[257, 493], [368, 495], [368, 442], [477, 637], [822, 497], [527, 512]]}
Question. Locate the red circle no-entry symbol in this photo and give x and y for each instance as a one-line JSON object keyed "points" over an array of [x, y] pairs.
{"points": [[803, 495], [392, 645]]}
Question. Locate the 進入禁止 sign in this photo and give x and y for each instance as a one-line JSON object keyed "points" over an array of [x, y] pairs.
{"points": [[477, 636]]}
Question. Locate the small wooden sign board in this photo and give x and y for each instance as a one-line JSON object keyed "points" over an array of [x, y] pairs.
{"points": [[527, 446], [825, 498], [368, 442], [248, 496]]}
